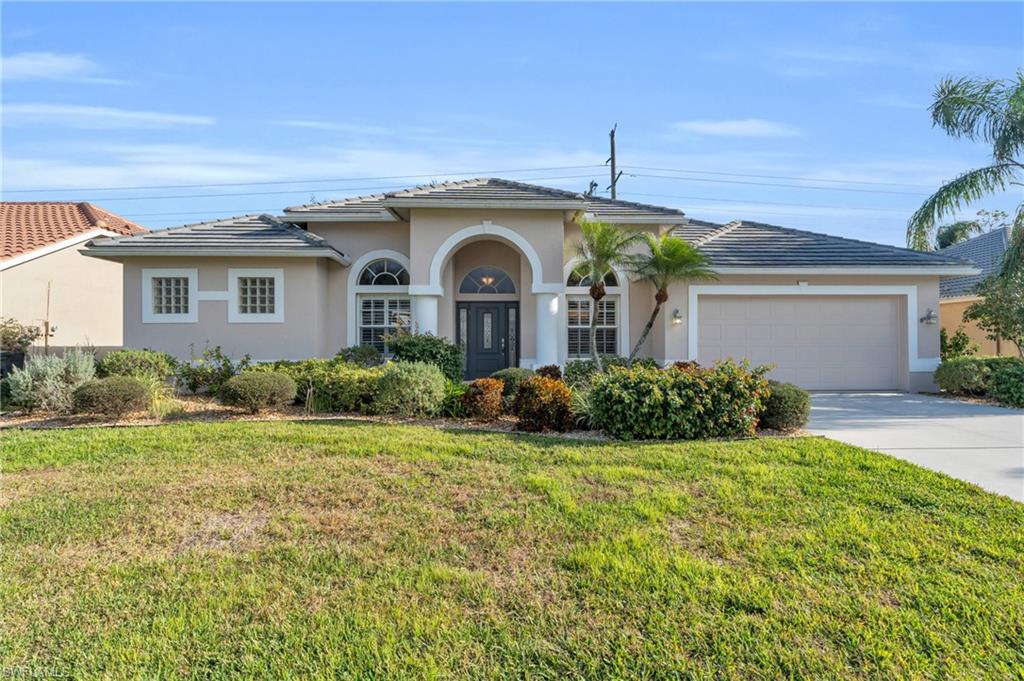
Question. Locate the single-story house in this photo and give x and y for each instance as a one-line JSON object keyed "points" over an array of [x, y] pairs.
{"points": [[484, 262], [46, 282], [957, 293]]}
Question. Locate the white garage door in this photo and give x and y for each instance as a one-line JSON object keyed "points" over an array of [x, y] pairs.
{"points": [[817, 342]]}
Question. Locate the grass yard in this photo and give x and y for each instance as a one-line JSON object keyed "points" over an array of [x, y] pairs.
{"points": [[351, 549]]}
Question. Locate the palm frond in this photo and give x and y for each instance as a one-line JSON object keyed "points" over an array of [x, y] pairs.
{"points": [[954, 195], [1013, 260], [981, 110], [671, 259], [601, 247]]}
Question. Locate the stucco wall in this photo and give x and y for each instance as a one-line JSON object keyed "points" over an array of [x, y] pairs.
{"points": [[951, 318], [85, 298], [302, 334]]}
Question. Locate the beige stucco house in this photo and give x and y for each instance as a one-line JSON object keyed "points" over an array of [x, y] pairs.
{"points": [[46, 282], [484, 262], [956, 294]]}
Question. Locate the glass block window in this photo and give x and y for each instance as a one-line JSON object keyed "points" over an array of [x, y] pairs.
{"points": [[256, 295], [578, 310], [170, 295], [380, 315], [580, 277], [384, 272], [487, 279]]}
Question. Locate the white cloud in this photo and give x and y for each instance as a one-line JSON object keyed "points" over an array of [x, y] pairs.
{"points": [[95, 117], [54, 66], [745, 127], [337, 126]]}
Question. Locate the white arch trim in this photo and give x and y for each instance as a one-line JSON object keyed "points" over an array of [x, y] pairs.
{"points": [[354, 288], [622, 291], [489, 229]]}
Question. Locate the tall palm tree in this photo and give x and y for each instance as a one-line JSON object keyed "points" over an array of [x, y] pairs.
{"points": [[980, 110], [670, 260], [600, 248]]}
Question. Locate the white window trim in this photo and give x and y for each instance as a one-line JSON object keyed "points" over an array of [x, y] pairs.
{"points": [[151, 317], [354, 288], [914, 361], [622, 291], [236, 317], [585, 294]]}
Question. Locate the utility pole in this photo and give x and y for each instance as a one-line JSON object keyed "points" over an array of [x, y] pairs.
{"points": [[611, 159]]}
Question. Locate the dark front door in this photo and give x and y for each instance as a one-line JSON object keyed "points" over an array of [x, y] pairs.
{"points": [[489, 333]]}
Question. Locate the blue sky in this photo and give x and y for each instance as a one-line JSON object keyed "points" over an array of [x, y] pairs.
{"points": [[729, 102]]}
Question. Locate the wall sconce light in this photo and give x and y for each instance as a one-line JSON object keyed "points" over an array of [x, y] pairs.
{"points": [[930, 317], [677, 318]]}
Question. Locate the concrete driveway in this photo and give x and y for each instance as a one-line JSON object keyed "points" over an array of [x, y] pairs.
{"points": [[974, 442]]}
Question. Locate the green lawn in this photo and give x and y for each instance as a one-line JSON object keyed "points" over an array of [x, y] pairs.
{"points": [[353, 549]]}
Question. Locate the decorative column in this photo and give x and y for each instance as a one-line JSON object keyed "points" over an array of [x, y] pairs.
{"points": [[424, 313], [547, 328]]}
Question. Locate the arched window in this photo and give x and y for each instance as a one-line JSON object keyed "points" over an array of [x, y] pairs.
{"points": [[487, 279], [384, 272], [579, 277]]}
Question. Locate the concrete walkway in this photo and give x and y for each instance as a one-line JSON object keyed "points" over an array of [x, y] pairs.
{"points": [[978, 443]]}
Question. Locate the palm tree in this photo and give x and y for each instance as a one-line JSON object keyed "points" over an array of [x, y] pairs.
{"points": [[600, 248], [990, 111], [670, 261]]}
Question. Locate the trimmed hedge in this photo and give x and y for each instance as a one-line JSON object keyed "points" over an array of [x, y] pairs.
{"points": [[130, 362], [256, 390], [410, 389], [483, 398], [669, 404], [1006, 384], [330, 386], [580, 372], [363, 355], [112, 396], [973, 376], [543, 403], [786, 407], [429, 349], [512, 377]]}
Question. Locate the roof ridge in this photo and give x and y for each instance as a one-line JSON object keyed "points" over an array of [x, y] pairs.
{"points": [[715, 233], [636, 204], [754, 223]]}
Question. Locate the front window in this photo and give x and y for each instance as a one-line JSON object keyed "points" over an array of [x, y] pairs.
{"points": [[256, 295], [384, 272], [580, 277], [170, 295], [380, 315], [578, 309], [487, 279]]}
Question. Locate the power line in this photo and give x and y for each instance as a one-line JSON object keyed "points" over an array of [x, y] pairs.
{"points": [[777, 184], [769, 203], [780, 177], [311, 181]]}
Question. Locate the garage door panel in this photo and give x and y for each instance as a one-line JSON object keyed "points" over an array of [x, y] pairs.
{"points": [[820, 342]]}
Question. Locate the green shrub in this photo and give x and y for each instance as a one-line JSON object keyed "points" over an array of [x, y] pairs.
{"points": [[550, 371], [787, 407], [330, 386], [15, 336], [452, 404], [957, 345], [112, 396], [511, 378], [361, 355], [580, 372], [483, 398], [543, 403], [1006, 384], [668, 404], [582, 408], [211, 371], [429, 349], [48, 381], [963, 376], [130, 362], [255, 390], [410, 389]]}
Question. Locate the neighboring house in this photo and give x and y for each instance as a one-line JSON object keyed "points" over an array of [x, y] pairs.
{"points": [[46, 281], [484, 262], [957, 293]]}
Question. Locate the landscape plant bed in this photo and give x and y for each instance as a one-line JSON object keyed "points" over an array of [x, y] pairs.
{"points": [[336, 548]]}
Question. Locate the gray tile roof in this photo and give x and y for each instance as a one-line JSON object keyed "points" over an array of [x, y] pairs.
{"points": [[986, 251], [489, 192], [755, 244], [251, 235]]}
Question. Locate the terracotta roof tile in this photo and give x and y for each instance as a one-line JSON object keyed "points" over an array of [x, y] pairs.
{"points": [[28, 225]]}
